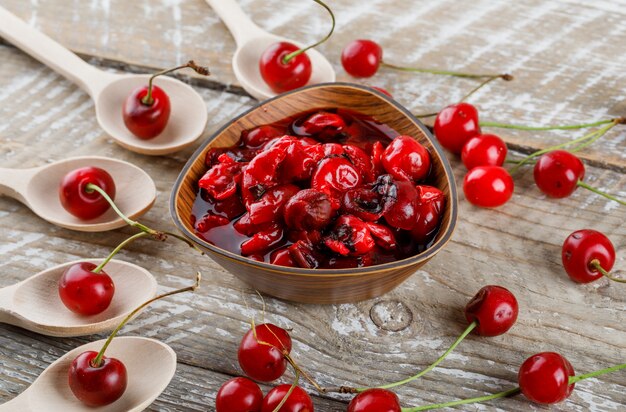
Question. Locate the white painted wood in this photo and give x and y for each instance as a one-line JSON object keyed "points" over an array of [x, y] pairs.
{"points": [[34, 303], [150, 366], [37, 188]]}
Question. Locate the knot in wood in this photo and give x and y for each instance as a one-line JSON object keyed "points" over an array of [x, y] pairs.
{"points": [[391, 315]]}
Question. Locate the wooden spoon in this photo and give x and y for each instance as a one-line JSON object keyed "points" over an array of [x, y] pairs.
{"points": [[34, 303], [251, 42], [38, 188], [150, 365], [108, 90]]}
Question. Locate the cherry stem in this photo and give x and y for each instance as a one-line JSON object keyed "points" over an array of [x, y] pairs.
{"points": [[540, 128], [596, 264], [467, 331], [298, 52], [504, 76], [98, 359], [599, 192], [593, 136], [510, 392], [117, 249], [159, 235], [290, 391], [148, 100]]}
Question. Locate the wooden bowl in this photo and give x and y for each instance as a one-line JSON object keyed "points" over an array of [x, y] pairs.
{"points": [[318, 285]]}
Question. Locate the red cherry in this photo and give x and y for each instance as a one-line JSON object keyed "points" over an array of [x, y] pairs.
{"points": [[557, 173], [239, 395], [581, 248], [495, 310], [269, 208], [84, 292], [324, 126], [455, 125], [544, 378], [375, 400], [488, 186], [260, 361], [258, 136], [335, 176], [281, 76], [263, 240], [407, 159], [221, 180], [429, 205], [146, 121], [75, 198], [484, 150], [97, 386], [350, 236], [361, 58], [308, 209], [403, 213], [282, 257], [298, 400]]}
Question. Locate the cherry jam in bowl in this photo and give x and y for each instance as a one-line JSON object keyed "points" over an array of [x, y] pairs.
{"points": [[330, 193]]}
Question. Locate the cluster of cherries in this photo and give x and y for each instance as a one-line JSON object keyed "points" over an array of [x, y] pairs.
{"points": [[265, 352], [147, 109], [323, 189]]}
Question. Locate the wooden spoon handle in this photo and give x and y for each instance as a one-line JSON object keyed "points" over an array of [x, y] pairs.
{"points": [[239, 24], [51, 53], [13, 182]]}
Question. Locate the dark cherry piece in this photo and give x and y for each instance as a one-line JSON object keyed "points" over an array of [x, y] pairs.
{"points": [[280, 76], [403, 212], [298, 400], [557, 173], [97, 385], [239, 395], [361, 58], [455, 125], [307, 210], [83, 203], [488, 186], [405, 158], [262, 352], [494, 309], [350, 236], [375, 400], [484, 150], [84, 292], [583, 247], [544, 378], [429, 206]]}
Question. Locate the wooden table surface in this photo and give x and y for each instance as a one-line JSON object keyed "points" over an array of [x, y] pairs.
{"points": [[568, 60]]}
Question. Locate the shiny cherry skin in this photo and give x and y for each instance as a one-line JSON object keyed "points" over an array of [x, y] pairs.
{"points": [[350, 237], [84, 292], [298, 400], [282, 77], [361, 58], [239, 395], [405, 158], [494, 309], [258, 136], [581, 248], [146, 121], [260, 361], [488, 186], [75, 198], [403, 212], [544, 378], [430, 203], [557, 173], [97, 385], [307, 210], [335, 176], [455, 125], [375, 400], [484, 150]]}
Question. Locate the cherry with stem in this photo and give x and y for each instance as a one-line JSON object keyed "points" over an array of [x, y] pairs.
{"points": [[97, 380], [588, 255]]}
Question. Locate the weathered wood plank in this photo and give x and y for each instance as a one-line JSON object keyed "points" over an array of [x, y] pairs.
{"points": [[561, 51], [517, 246]]}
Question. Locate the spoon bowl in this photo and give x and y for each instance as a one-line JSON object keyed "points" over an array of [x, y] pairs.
{"points": [[108, 90], [37, 188], [251, 43], [34, 303], [179, 133], [150, 365]]}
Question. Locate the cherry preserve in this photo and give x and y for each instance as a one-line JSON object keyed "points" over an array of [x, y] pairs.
{"points": [[325, 189]]}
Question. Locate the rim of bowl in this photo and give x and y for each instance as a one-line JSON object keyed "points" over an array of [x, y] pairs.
{"points": [[425, 255]]}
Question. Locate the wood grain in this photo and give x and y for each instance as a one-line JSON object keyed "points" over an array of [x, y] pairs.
{"points": [[569, 72]]}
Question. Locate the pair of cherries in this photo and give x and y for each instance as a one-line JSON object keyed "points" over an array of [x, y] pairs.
{"points": [[264, 354]]}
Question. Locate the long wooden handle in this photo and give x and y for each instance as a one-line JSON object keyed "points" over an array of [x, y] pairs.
{"points": [[13, 182], [239, 24], [51, 53]]}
